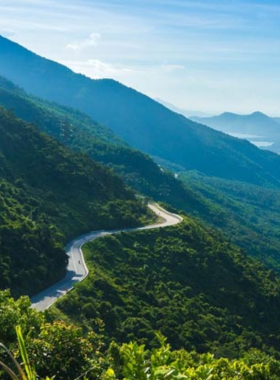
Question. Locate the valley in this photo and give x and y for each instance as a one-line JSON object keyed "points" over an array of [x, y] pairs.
{"points": [[77, 270], [136, 241]]}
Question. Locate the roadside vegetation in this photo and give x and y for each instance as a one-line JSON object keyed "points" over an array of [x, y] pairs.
{"points": [[48, 195], [60, 351], [188, 282]]}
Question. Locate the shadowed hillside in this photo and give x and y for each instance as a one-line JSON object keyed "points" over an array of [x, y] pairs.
{"points": [[81, 133]]}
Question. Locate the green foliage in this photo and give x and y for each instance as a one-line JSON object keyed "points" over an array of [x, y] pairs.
{"points": [[247, 214], [13, 313], [47, 348], [29, 370], [162, 363], [64, 352], [48, 195], [9, 371], [78, 131], [61, 349], [186, 281]]}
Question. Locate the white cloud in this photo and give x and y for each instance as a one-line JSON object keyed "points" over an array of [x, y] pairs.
{"points": [[88, 42], [94, 68], [198, 54], [168, 67], [105, 68]]}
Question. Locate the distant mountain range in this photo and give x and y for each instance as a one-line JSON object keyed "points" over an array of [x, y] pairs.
{"points": [[176, 142], [52, 190], [256, 127], [140, 121], [187, 113], [195, 282]]}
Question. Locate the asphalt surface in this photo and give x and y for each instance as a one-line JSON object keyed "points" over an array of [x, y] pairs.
{"points": [[77, 270]]}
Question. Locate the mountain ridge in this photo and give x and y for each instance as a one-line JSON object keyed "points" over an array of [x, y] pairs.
{"points": [[79, 132], [257, 124], [140, 121]]}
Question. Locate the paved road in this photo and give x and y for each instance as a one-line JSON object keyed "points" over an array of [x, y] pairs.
{"points": [[77, 269]]}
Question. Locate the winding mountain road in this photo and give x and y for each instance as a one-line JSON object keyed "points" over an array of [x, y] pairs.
{"points": [[77, 270]]}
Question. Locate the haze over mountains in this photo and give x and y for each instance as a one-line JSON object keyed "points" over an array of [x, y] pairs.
{"points": [[257, 127], [187, 113], [210, 283], [175, 141], [78, 131], [140, 121]]}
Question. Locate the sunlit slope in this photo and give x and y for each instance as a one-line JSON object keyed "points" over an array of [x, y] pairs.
{"points": [[186, 281], [139, 120], [49, 194], [78, 131]]}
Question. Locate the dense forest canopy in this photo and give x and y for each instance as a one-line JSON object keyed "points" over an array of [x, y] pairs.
{"points": [[201, 289], [79, 132], [188, 282], [48, 194], [56, 348], [243, 220]]}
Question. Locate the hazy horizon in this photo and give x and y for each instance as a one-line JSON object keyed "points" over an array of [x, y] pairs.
{"points": [[209, 56]]}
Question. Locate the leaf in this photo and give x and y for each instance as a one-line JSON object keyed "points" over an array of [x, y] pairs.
{"points": [[28, 369]]}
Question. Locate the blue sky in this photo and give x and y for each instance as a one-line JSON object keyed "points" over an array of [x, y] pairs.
{"points": [[211, 56]]}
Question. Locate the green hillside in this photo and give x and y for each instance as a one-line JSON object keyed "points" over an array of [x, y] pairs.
{"points": [[247, 214], [139, 120], [64, 351], [255, 232], [48, 195], [187, 282], [81, 133]]}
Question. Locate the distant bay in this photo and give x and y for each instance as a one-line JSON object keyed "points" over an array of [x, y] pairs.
{"points": [[254, 139]]}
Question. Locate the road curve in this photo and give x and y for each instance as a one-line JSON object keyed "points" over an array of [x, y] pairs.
{"points": [[77, 270]]}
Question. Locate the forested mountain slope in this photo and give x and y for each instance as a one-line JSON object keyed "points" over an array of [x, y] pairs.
{"points": [[139, 120], [81, 133], [250, 224], [74, 353], [245, 213], [48, 194], [188, 282]]}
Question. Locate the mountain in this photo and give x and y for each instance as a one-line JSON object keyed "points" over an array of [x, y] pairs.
{"points": [[48, 195], [247, 214], [186, 281], [256, 127], [139, 120], [186, 113], [256, 123], [235, 215], [208, 151], [81, 133]]}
